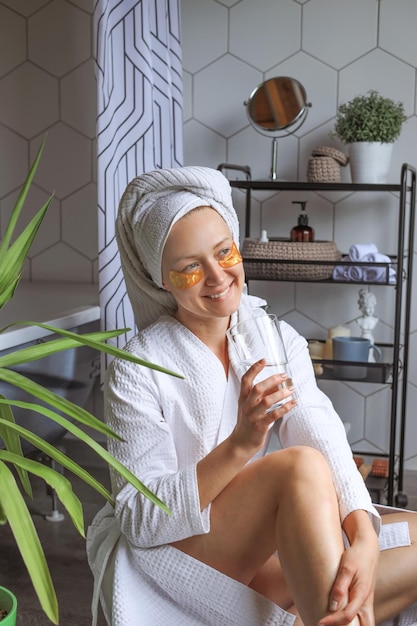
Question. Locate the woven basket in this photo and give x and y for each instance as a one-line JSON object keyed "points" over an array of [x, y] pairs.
{"points": [[322, 169], [282, 250]]}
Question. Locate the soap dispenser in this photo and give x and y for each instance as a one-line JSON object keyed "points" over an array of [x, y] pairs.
{"points": [[302, 232]]}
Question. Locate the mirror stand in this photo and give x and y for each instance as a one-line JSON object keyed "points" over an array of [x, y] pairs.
{"points": [[274, 160], [277, 108]]}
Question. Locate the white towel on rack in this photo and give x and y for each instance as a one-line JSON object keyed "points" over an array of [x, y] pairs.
{"points": [[358, 250], [356, 273], [340, 272], [378, 273], [361, 273]]}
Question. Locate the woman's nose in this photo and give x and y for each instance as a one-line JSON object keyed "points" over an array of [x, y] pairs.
{"points": [[215, 274]]}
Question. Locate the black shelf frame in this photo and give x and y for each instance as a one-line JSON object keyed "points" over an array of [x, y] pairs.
{"points": [[404, 270]]}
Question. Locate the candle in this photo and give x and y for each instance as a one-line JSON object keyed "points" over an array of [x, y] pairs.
{"points": [[316, 349], [338, 331]]}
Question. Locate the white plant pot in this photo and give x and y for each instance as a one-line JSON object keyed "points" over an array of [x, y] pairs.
{"points": [[370, 162]]}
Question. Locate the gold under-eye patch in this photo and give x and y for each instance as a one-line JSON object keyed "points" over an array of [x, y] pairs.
{"points": [[233, 258], [182, 280]]}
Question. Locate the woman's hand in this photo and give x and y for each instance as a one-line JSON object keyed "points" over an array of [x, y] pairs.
{"points": [[352, 594], [254, 410]]}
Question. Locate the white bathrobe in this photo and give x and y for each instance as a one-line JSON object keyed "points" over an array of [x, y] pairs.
{"points": [[168, 425]]}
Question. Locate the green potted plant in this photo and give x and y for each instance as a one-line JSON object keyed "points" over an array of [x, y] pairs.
{"points": [[8, 607], [369, 124], [15, 468]]}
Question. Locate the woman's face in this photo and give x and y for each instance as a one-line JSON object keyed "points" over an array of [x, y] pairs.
{"points": [[202, 268]]}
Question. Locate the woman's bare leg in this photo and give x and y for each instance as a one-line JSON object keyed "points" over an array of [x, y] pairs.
{"points": [[396, 584], [286, 502]]}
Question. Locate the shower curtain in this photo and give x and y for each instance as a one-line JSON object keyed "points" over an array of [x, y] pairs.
{"points": [[139, 121]]}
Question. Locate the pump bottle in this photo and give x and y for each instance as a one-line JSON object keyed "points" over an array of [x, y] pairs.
{"points": [[302, 232]]}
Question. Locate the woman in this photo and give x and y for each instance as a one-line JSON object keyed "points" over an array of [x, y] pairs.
{"points": [[201, 445]]}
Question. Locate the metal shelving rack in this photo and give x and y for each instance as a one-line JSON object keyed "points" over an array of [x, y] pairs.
{"points": [[404, 263]]}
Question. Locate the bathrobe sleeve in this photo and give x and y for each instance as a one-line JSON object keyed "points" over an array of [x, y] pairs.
{"points": [[315, 423], [136, 401]]}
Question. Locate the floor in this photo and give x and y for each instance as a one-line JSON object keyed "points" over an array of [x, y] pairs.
{"points": [[65, 552]]}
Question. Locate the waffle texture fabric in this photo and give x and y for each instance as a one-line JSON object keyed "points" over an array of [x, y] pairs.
{"points": [[168, 425]]}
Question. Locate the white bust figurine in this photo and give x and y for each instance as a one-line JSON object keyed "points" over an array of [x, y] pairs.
{"points": [[367, 321]]}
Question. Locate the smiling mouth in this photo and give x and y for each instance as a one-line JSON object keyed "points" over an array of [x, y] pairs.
{"points": [[216, 296]]}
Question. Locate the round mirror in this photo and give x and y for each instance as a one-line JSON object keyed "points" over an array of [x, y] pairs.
{"points": [[277, 104], [277, 107]]}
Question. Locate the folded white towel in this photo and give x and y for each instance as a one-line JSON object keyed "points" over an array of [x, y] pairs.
{"points": [[375, 257], [377, 274], [340, 272], [356, 273], [364, 273], [358, 250]]}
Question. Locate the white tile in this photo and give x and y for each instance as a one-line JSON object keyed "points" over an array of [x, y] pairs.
{"points": [[249, 147], [25, 7], [397, 28], [12, 40], [263, 32], [325, 38], [412, 346], [371, 71], [367, 217], [66, 161], [411, 426], [187, 94], [13, 160], [30, 101], [203, 44], [61, 263], [377, 418], [219, 93], [79, 221], [203, 146], [59, 49], [78, 98]]}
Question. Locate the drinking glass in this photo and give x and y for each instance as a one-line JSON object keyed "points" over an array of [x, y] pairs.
{"points": [[260, 338]]}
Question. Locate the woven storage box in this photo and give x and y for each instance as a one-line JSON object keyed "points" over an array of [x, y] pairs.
{"points": [[322, 169], [282, 250]]}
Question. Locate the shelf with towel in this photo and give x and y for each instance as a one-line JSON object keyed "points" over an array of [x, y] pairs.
{"points": [[361, 272], [356, 268]]}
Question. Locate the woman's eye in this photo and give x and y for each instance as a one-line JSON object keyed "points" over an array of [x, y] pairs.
{"points": [[224, 253], [191, 267]]}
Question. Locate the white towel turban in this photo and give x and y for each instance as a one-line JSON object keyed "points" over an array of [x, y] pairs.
{"points": [[149, 207]]}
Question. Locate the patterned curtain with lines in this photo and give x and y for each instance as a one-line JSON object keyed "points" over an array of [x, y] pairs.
{"points": [[139, 120]]}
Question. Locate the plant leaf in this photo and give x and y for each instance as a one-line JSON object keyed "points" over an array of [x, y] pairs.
{"points": [[58, 402], [53, 346], [86, 340], [12, 442], [59, 483], [61, 458], [19, 203], [8, 291], [95, 446], [15, 510]]}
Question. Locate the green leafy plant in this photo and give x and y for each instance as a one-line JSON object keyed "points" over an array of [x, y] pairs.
{"points": [[369, 117], [15, 468]]}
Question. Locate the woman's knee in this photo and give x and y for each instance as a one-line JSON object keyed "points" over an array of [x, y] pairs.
{"points": [[302, 464], [305, 459]]}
